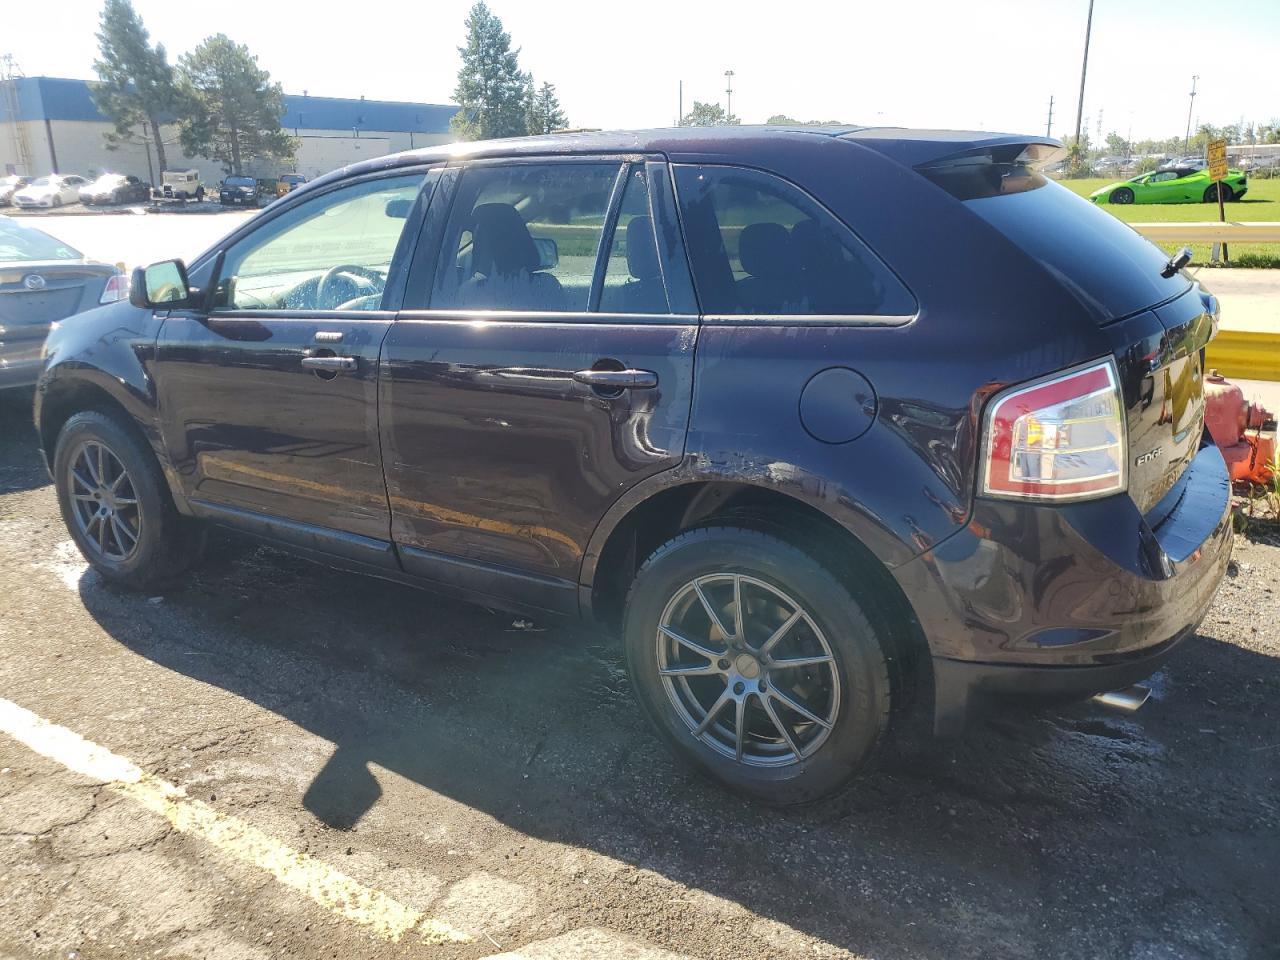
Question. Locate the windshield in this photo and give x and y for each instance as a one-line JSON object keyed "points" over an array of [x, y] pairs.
{"points": [[42, 182], [109, 180], [24, 243], [239, 181]]}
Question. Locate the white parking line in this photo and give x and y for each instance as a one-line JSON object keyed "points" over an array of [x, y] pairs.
{"points": [[381, 915]]}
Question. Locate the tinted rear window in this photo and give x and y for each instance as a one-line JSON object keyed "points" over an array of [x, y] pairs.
{"points": [[1107, 264]]}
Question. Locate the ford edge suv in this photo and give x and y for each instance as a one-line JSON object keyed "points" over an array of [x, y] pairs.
{"points": [[814, 418]]}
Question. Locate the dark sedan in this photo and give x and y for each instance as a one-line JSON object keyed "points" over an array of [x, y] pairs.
{"points": [[115, 188], [42, 280]]}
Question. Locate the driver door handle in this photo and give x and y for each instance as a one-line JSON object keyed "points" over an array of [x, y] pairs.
{"points": [[618, 379], [332, 364]]}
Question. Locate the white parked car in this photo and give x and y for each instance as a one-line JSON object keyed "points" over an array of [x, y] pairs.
{"points": [[50, 191]]}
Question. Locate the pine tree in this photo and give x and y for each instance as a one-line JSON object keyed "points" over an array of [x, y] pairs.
{"points": [[493, 93], [137, 86], [235, 110], [545, 114]]}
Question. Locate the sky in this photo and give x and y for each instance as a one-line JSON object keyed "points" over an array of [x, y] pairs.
{"points": [[984, 64]]}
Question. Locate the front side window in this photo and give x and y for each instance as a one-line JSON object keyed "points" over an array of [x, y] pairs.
{"points": [[759, 245], [524, 237], [331, 253]]}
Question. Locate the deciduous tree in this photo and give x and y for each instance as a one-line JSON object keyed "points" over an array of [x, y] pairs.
{"points": [[707, 115]]}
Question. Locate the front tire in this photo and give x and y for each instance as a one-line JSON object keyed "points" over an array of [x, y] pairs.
{"points": [[1121, 195], [116, 505], [756, 664]]}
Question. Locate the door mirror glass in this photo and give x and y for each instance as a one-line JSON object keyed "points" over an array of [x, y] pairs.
{"points": [[548, 253], [162, 284]]}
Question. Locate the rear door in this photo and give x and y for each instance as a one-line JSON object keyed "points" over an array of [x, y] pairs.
{"points": [[269, 397], [541, 367]]}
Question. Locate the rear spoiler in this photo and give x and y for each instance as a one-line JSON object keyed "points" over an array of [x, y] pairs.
{"points": [[941, 149]]}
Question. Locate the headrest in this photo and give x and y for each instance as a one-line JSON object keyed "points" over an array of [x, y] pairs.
{"points": [[642, 252], [764, 249], [501, 244]]}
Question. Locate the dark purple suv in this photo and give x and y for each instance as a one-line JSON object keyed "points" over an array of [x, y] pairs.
{"points": [[814, 417]]}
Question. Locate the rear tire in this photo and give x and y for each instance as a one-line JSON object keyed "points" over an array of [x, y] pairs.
{"points": [[117, 507], [781, 734], [1121, 195], [1211, 194]]}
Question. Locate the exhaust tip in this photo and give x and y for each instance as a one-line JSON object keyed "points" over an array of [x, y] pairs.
{"points": [[1127, 700]]}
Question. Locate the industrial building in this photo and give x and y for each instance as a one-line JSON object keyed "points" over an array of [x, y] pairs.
{"points": [[49, 124]]}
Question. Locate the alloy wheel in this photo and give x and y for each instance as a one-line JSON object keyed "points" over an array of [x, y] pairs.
{"points": [[104, 503], [748, 669]]}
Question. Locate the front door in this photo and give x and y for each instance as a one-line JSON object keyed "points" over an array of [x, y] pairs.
{"points": [[542, 366], [269, 400]]}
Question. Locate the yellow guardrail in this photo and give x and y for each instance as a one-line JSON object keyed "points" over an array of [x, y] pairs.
{"points": [[1245, 355], [1211, 231]]}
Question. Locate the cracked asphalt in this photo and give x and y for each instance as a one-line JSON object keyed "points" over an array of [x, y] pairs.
{"points": [[503, 782]]}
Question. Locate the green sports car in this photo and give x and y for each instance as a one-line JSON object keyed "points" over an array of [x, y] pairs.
{"points": [[1174, 185]]}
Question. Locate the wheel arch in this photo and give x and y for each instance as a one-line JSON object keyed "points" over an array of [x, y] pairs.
{"points": [[620, 547]]}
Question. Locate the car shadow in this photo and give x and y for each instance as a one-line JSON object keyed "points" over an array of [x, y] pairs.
{"points": [[21, 467], [1059, 833]]}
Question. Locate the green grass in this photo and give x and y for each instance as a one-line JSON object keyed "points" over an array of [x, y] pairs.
{"points": [[1262, 202]]}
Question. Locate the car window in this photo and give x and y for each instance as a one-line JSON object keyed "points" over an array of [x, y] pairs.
{"points": [[26, 243], [759, 245], [633, 275], [524, 237], [332, 252], [1162, 176]]}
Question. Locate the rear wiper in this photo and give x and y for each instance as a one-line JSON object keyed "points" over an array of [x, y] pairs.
{"points": [[1176, 263]]}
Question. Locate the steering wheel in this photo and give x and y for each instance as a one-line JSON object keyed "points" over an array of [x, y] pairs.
{"points": [[372, 279]]}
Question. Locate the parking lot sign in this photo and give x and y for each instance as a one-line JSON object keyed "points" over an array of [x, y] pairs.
{"points": [[1217, 160]]}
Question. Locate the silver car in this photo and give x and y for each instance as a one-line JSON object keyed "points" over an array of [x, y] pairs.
{"points": [[43, 280]]}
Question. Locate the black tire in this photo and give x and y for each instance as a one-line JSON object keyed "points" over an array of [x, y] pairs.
{"points": [[1211, 194], [165, 542], [1121, 195], [856, 708]]}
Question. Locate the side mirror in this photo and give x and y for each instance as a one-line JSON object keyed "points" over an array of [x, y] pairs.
{"points": [[548, 253], [162, 284]]}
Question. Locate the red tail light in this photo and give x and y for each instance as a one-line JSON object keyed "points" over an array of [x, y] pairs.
{"points": [[117, 288], [1059, 439]]}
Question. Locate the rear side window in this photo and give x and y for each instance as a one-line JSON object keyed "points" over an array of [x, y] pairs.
{"points": [[761, 246], [524, 237]]}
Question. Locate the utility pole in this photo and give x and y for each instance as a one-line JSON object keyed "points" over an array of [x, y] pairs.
{"points": [[1048, 128], [680, 109], [1099, 124], [1186, 140], [728, 92], [1084, 69]]}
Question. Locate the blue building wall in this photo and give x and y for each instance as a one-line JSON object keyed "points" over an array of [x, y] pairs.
{"points": [[55, 98]]}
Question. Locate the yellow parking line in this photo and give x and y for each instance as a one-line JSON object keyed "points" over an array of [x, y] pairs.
{"points": [[382, 916]]}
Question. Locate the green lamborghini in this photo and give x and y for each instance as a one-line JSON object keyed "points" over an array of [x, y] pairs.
{"points": [[1174, 185]]}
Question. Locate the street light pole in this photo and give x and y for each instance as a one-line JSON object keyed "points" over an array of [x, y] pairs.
{"points": [[1186, 140], [728, 109], [1084, 69]]}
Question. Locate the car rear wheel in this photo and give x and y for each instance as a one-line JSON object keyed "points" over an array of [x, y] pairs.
{"points": [[756, 664], [1211, 194], [116, 505], [1122, 195]]}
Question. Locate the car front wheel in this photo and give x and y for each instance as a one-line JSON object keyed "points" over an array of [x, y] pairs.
{"points": [[116, 505], [1123, 195], [756, 664]]}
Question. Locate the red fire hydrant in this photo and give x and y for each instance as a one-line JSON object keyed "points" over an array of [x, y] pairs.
{"points": [[1244, 432]]}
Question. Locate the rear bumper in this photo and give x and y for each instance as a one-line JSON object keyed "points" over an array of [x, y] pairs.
{"points": [[1065, 602]]}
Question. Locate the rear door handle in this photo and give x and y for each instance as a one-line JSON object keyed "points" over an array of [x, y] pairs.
{"points": [[618, 379], [332, 364]]}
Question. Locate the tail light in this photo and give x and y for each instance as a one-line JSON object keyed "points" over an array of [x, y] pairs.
{"points": [[117, 288], [1059, 439]]}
